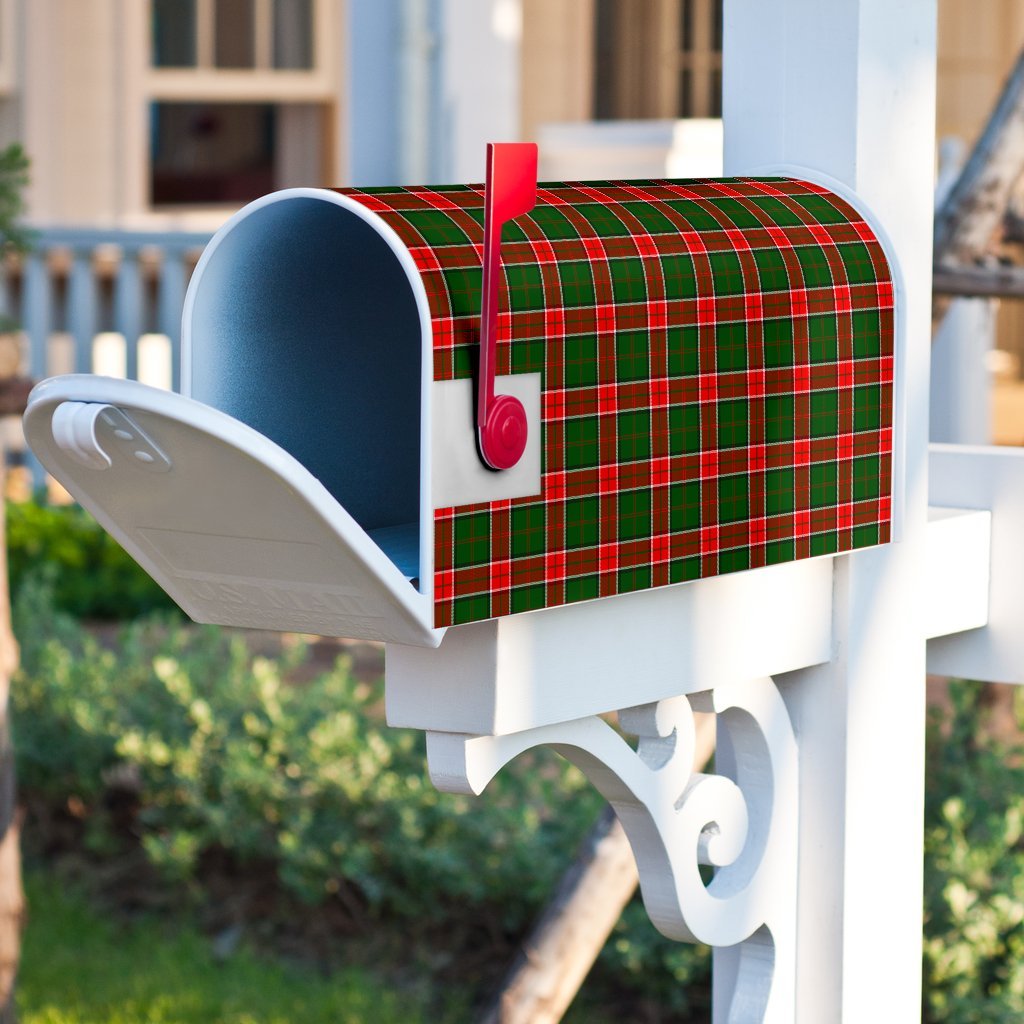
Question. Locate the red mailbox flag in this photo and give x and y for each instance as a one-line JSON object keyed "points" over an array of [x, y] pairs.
{"points": [[511, 190]]}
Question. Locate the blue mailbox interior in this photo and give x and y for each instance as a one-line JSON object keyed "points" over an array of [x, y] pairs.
{"points": [[304, 326]]}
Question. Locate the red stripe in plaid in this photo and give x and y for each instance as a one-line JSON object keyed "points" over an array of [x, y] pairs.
{"points": [[555, 566], [801, 452], [757, 531], [542, 251], [709, 464], [608, 557], [710, 538], [802, 524]]}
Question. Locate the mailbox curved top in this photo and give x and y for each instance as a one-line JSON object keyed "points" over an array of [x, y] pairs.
{"points": [[716, 362]]}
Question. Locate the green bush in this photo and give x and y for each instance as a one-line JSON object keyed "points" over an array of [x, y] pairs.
{"points": [[228, 757], [974, 869], [91, 574]]}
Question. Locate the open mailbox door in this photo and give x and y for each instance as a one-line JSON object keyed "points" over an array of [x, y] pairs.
{"points": [[234, 528]]}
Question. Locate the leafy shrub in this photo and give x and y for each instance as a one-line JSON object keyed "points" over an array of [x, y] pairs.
{"points": [[91, 575], [227, 755], [974, 869]]}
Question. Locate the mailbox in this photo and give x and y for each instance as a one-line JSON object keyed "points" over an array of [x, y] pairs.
{"points": [[705, 370]]}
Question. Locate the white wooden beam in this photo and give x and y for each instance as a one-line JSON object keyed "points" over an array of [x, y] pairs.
{"points": [[848, 89]]}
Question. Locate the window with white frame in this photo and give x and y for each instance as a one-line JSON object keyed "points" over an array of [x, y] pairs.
{"points": [[658, 58], [239, 34], [242, 97]]}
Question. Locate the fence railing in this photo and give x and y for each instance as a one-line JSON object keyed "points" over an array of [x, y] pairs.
{"points": [[98, 301], [102, 301]]}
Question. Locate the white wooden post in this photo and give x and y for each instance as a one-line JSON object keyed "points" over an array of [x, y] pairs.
{"points": [[849, 89]]}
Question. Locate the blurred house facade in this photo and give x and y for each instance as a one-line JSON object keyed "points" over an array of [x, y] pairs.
{"points": [[171, 113], [149, 122]]}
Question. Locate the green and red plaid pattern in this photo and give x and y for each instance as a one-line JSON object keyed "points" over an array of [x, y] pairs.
{"points": [[717, 382]]}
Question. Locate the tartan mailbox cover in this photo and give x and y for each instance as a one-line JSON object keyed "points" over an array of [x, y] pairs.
{"points": [[712, 362], [717, 382]]}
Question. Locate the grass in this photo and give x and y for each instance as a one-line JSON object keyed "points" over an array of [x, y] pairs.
{"points": [[79, 968]]}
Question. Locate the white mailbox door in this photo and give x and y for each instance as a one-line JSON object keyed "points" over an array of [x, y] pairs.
{"points": [[234, 528]]}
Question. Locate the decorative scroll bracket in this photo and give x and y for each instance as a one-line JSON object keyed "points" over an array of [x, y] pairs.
{"points": [[743, 822]]}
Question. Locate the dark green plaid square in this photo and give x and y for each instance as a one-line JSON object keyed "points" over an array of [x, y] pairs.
{"points": [[821, 209], [734, 561], [865, 536], [529, 598], [771, 270], [684, 506], [629, 282], [530, 356], [637, 578], [471, 608], [824, 413], [779, 492], [602, 219], [553, 223], [634, 435], [582, 527], [814, 264], [683, 429], [778, 343], [632, 359], [577, 281], [581, 442], [776, 551], [731, 347], [525, 285], [824, 484], [679, 276], [437, 226], [733, 423], [778, 418], [684, 569], [683, 350], [702, 218], [727, 272], [582, 588], [581, 364], [528, 535], [866, 482], [824, 544], [651, 218], [779, 213], [733, 501], [857, 260], [464, 285], [473, 539], [867, 334], [823, 338], [634, 515], [867, 407], [741, 215]]}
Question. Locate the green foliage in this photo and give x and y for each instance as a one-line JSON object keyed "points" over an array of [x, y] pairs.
{"points": [[974, 870], [91, 574], [13, 178], [80, 968], [227, 756]]}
